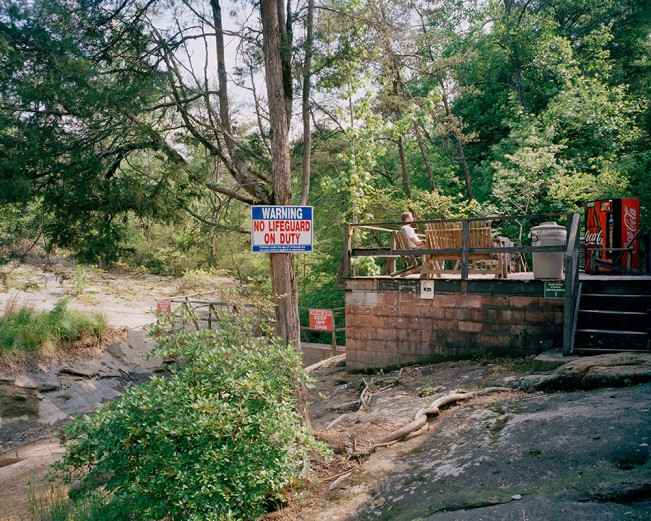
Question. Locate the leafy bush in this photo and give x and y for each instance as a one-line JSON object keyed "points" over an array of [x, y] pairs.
{"points": [[217, 440], [24, 329], [80, 280], [193, 280]]}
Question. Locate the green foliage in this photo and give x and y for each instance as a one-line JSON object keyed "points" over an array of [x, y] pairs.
{"points": [[555, 65], [20, 226], [547, 101], [22, 329], [72, 107], [524, 176], [217, 440], [192, 280], [80, 280]]}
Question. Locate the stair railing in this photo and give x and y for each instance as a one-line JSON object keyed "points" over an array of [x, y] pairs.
{"points": [[571, 285]]}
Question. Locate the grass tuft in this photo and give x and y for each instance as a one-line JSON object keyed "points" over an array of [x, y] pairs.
{"points": [[24, 330]]}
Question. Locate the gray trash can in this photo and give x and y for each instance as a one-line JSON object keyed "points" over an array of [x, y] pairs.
{"points": [[548, 265]]}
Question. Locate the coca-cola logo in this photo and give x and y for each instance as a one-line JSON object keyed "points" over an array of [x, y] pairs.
{"points": [[630, 223], [593, 238]]}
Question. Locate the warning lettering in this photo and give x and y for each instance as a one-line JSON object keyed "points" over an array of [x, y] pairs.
{"points": [[321, 319], [281, 229]]}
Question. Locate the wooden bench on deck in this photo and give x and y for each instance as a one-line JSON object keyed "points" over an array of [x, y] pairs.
{"points": [[447, 235]]}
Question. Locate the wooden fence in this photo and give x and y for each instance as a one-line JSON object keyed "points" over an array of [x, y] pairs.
{"points": [[201, 313]]}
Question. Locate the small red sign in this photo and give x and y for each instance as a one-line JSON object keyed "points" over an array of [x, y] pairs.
{"points": [[164, 306], [321, 319]]}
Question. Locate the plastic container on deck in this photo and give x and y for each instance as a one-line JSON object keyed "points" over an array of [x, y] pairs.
{"points": [[548, 265]]}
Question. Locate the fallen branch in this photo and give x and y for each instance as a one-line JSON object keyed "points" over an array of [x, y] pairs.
{"points": [[335, 476], [360, 455], [328, 362], [336, 421]]}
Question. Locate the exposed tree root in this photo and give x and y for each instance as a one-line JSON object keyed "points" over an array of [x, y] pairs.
{"points": [[419, 423], [364, 398], [366, 395], [339, 480], [418, 426]]}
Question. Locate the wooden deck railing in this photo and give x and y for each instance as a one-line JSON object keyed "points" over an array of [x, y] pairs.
{"points": [[374, 240]]}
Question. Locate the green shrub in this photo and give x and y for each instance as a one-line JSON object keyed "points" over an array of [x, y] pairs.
{"points": [[80, 280], [24, 329], [193, 280], [217, 440]]}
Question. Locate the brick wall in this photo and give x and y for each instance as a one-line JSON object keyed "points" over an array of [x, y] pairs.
{"points": [[388, 324]]}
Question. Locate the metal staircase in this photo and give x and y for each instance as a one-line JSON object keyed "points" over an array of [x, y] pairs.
{"points": [[614, 315]]}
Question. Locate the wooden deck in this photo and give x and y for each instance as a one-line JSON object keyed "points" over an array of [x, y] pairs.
{"points": [[527, 276]]}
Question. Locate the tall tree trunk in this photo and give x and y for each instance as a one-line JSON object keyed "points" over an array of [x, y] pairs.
{"points": [[283, 269], [393, 71], [464, 165], [517, 80], [455, 131], [241, 171], [516, 63], [403, 164], [283, 276], [423, 154], [307, 78]]}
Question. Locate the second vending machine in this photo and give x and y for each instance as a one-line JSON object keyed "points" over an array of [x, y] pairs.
{"points": [[612, 223]]}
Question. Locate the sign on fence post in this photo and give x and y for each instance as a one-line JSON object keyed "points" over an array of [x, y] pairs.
{"points": [[164, 306], [321, 319], [324, 320], [281, 229]]}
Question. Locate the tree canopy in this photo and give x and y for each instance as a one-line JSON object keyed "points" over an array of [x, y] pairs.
{"points": [[115, 112]]}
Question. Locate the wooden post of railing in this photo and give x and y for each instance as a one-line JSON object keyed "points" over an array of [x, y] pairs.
{"points": [[334, 335], [348, 246], [465, 244], [391, 262], [191, 312]]}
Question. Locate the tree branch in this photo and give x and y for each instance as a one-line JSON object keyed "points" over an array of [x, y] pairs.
{"points": [[231, 193]]}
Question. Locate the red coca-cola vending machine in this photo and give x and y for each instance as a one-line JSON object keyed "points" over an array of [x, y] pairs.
{"points": [[612, 223]]}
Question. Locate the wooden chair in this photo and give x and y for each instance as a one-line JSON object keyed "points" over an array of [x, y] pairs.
{"points": [[410, 263], [448, 236]]}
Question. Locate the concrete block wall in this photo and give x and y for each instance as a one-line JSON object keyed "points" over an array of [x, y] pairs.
{"points": [[388, 324]]}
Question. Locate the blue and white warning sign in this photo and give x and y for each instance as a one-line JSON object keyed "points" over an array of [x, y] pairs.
{"points": [[281, 229]]}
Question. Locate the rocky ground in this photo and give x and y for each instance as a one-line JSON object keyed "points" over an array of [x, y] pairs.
{"points": [[570, 443], [567, 440]]}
